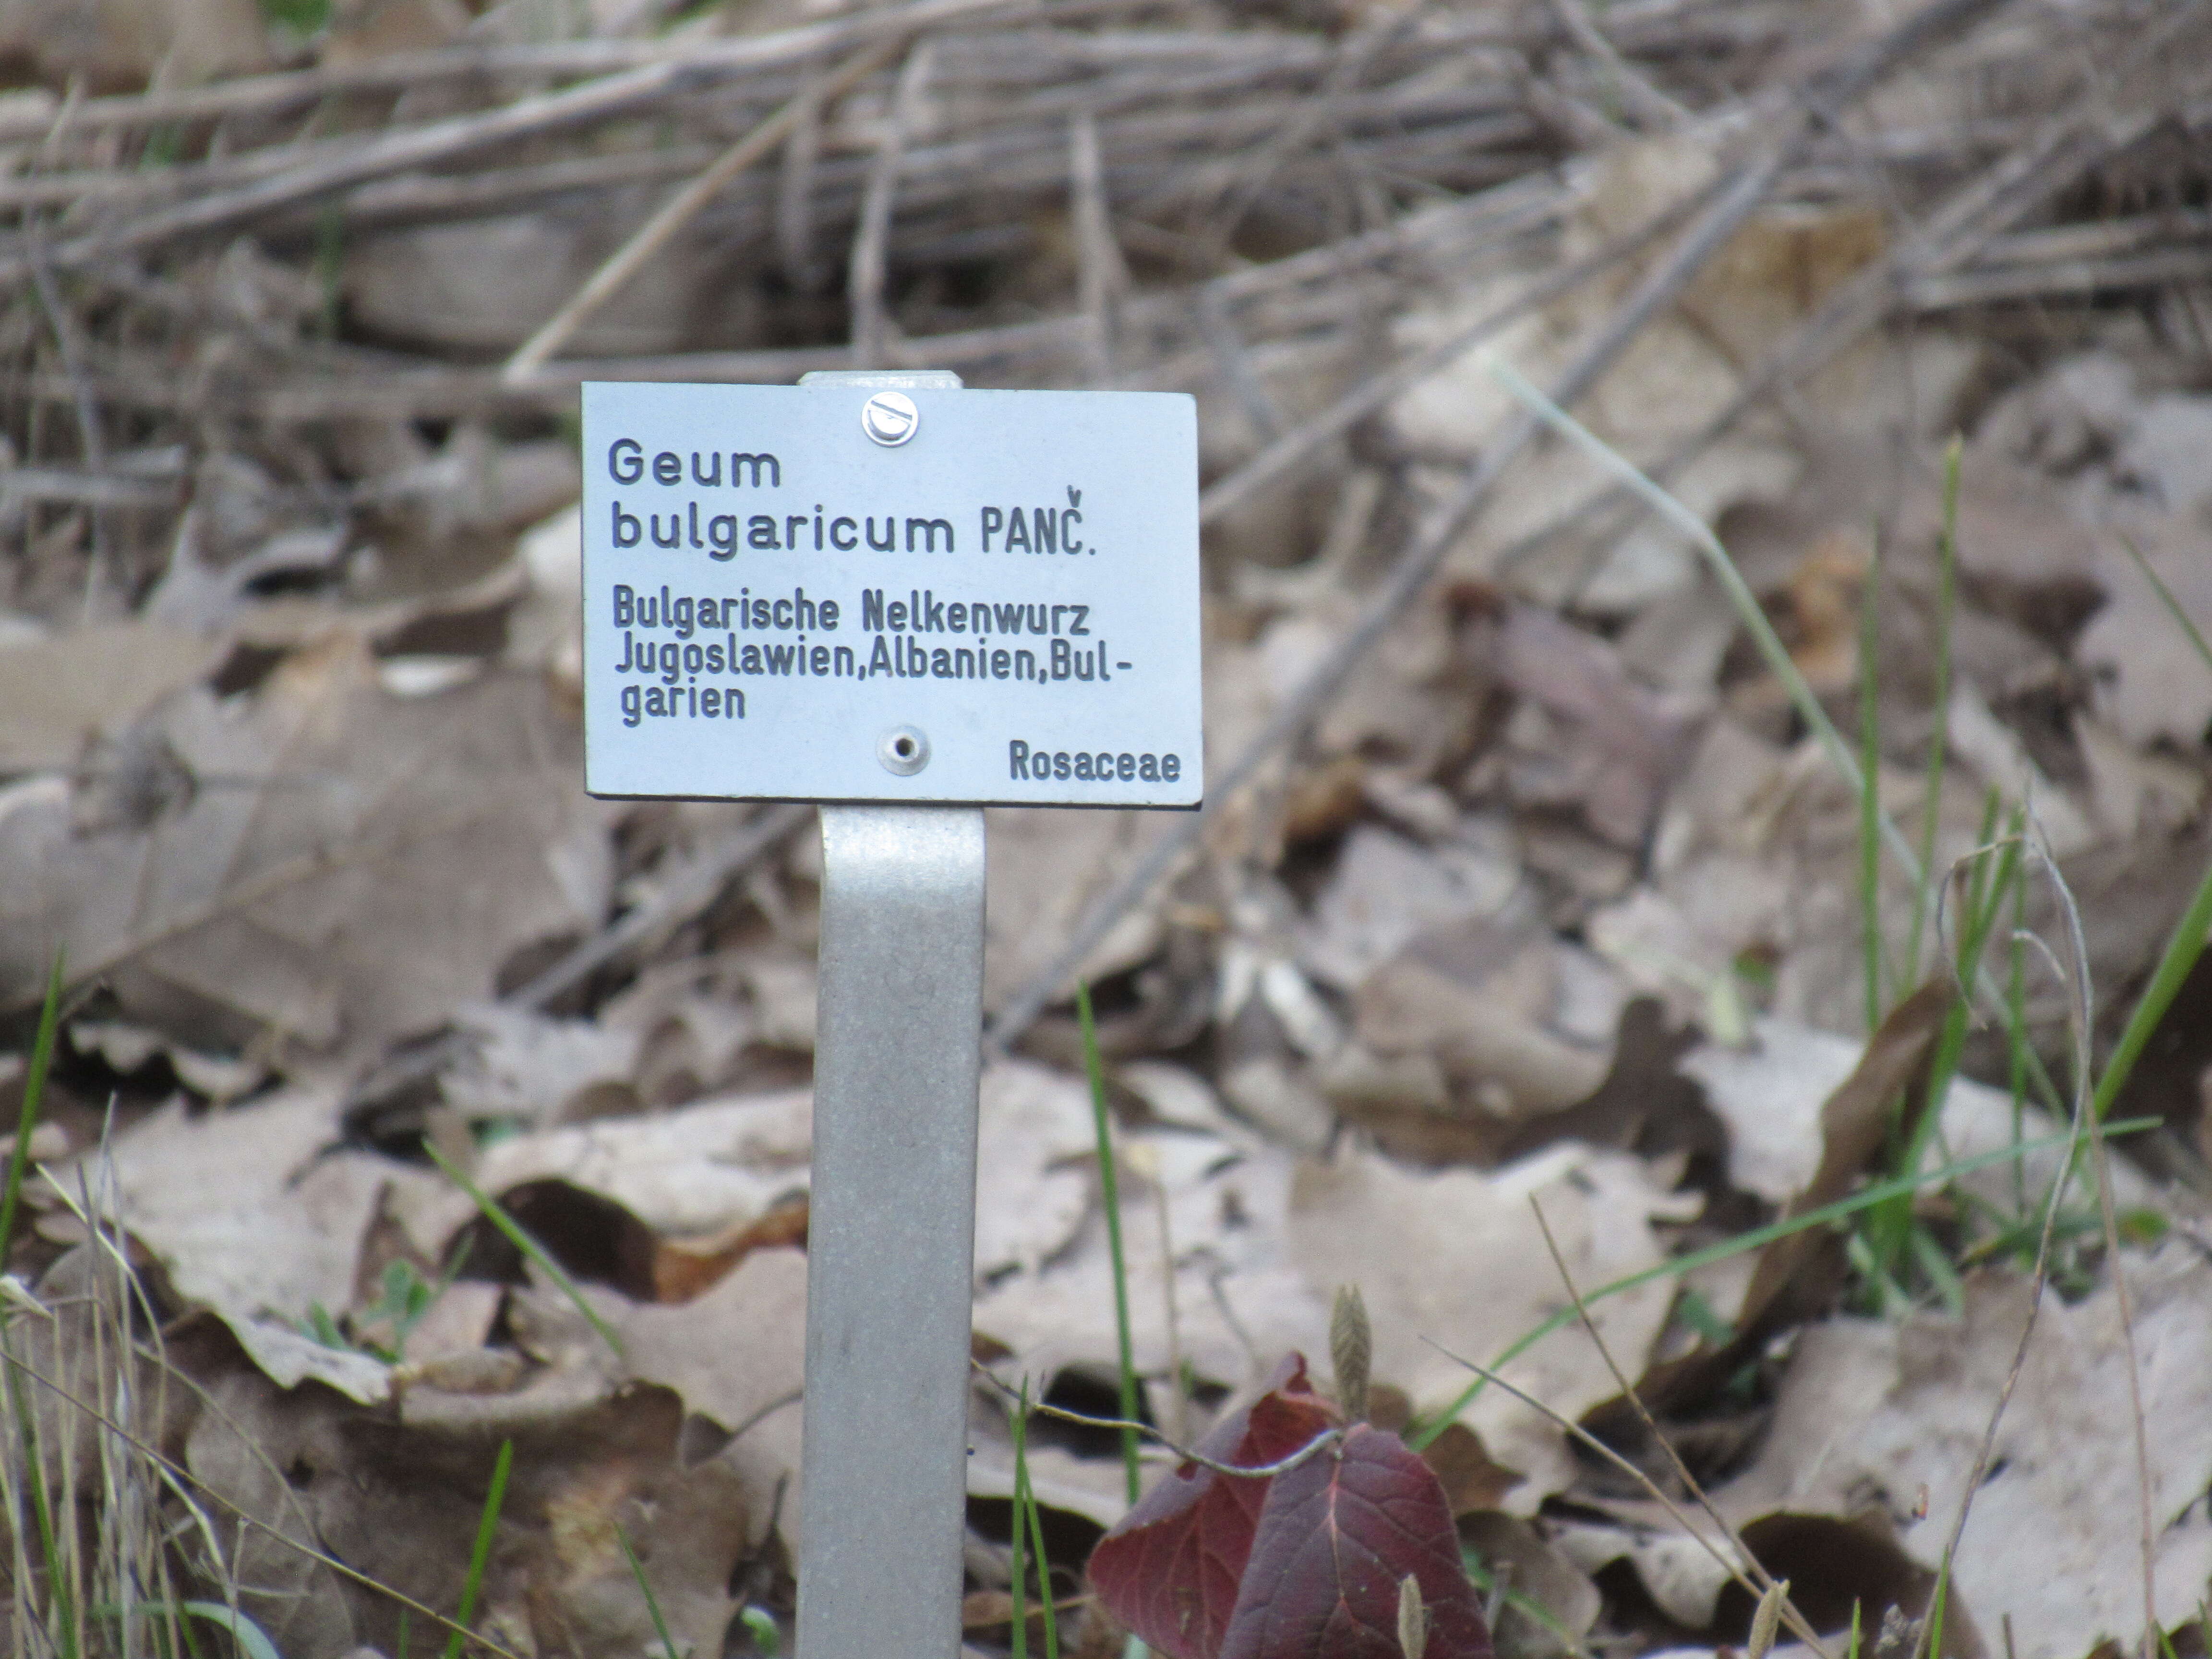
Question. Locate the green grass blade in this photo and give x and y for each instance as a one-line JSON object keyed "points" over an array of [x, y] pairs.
{"points": [[2182, 949], [1871, 796], [480, 1555], [1486, 1582], [2016, 1048], [1756, 1238], [1931, 805], [2166, 598], [1018, 1589], [494, 1212], [761, 1624], [1095, 1068], [59, 1606], [35, 1090], [1749, 611], [253, 1641], [1754, 616], [1029, 1506], [651, 1601], [1891, 1228], [1027, 1513], [2186, 943]]}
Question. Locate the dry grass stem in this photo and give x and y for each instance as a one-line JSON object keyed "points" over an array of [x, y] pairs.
{"points": [[1766, 1585]]}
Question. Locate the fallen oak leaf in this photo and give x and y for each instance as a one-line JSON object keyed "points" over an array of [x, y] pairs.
{"points": [[1338, 1538]]}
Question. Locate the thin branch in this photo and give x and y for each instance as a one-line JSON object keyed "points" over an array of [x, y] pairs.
{"points": [[794, 195], [1798, 1624], [1328, 1437], [1652, 104], [871, 328], [1101, 278], [1235, 362], [2084, 1125], [683, 206], [354, 162], [1583, 1436]]}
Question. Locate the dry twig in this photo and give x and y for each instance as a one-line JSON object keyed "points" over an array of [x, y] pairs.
{"points": [[1768, 1583], [680, 209]]}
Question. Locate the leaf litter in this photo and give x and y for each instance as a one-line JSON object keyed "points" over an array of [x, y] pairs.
{"points": [[1521, 952]]}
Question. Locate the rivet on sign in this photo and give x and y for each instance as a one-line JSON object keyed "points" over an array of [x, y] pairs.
{"points": [[891, 418], [902, 750]]}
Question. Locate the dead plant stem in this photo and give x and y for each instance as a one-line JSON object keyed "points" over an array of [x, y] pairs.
{"points": [[2084, 1125], [1767, 1582], [871, 327], [353, 163], [1583, 1436], [1326, 1438], [182, 1478]]}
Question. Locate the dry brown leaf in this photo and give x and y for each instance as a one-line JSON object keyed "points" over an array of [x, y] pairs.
{"points": [[400, 1503], [1873, 1416], [1480, 1032], [734, 1352], [1618, 744], [60, 693], [1455, 1257], [254, 1216], [696, 1171], [242, 1450], [1387, 891], [1517, 1556], [1035, 1166], [1046, 868], [682, 1269], [2152, 683], [1239, 1304], [370, 863]]}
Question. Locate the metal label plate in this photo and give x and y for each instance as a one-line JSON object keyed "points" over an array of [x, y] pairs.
{"points": [[840, 592]]}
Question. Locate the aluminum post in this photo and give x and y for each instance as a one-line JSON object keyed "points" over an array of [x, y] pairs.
{"points": [[890, 1236]]}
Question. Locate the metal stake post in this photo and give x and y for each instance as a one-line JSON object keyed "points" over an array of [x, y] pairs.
{"points": [[890, 1236]]}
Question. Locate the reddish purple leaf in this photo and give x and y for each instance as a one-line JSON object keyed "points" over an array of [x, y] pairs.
{"points": [[1336, 1537], [1171, 1570]]}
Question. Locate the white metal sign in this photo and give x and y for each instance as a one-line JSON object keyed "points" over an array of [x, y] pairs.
{"points": [[841, 592]]}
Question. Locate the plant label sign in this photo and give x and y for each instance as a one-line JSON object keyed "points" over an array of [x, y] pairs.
{"points": [[850, 592]]}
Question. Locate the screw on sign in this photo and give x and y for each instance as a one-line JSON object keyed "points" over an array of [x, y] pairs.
{"points": [[891, 418], [904, 600]]}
